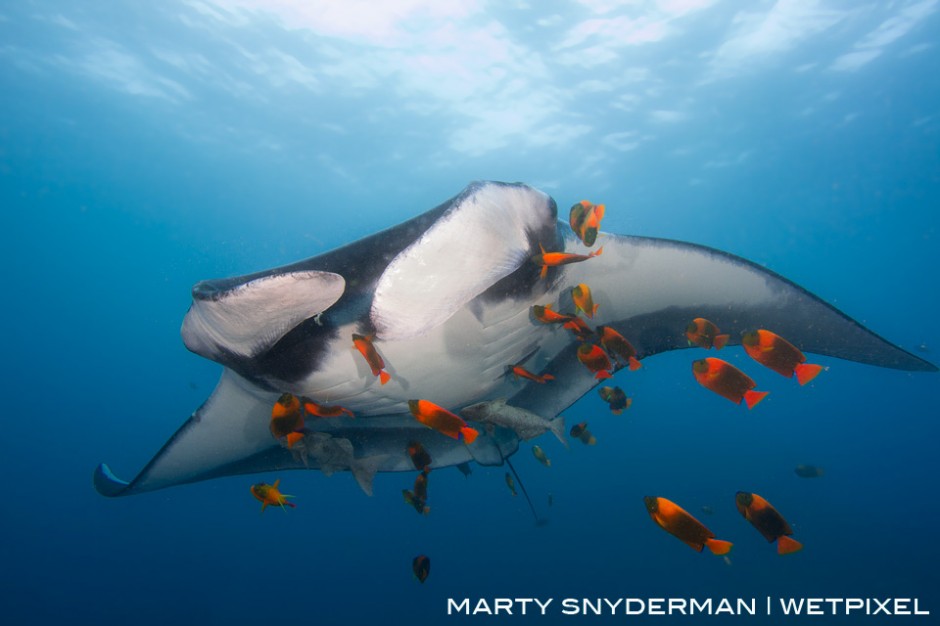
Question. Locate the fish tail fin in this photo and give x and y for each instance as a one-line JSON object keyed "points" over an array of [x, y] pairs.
{"points": [[720, 341], [806, 372], [616, 411], [787, 545], [384, 377], [469, 434], [597, 252], [349, 413], [634, 364], [752, 398], [719, 547], [601, 375], [363, 470], [594, 311], [547, 377], [590, 441], [557, 427]]}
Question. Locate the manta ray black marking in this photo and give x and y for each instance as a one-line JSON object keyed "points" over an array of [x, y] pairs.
{"points": [[447, 295]]}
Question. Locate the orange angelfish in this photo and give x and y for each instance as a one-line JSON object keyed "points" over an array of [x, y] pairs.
{"points": [[595, 360], [677, 522], [441, 420], [554, 259], [578, 215], [585, 219], [322, 410], [579, 327], [286, 417], [520, 372], [727, 381], [418, 455], [583, 301], [364, 345], [704, 334], [421, 566], [780, 355], [617, 345], [545, 315], [767, 520], [616, 398], [270, 495]]}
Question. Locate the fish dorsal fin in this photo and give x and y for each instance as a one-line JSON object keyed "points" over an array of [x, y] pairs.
{"points": [[489, 231], [247, 317]]}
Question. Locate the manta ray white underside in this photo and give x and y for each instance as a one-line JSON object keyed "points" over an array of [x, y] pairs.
{"points": [[448, 297]]}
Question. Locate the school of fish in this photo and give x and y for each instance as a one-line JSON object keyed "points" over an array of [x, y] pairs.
{"points": [[603, 351]]}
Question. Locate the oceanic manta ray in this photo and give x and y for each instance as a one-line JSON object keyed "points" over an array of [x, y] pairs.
{"points": [[447, 298]]}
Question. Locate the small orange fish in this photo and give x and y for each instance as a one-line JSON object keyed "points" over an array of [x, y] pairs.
{"points": [[727, 381], [545, 315], [364, 345], [617, 345], [580, 431], [767, 520], [418, 455], [585, 219], [418, 497], [616, 398], [583, 301], [421, 566], [554, 259], [595, 360], [780, 355], [441, 420], [577, 215], [677, 522], [286, 417], [322, 410], [579, 327], [270, 495], [703, 333], [520, 372]]}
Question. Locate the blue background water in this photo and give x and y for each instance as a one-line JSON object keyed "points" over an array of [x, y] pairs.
{"points": [[144, 148]]}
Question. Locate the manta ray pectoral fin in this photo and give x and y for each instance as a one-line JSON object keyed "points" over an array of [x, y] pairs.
{"points": [[650, 289], [226, 435], [489, 231], [246, 316]]}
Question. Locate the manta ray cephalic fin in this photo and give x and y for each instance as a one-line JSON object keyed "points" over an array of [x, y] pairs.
{"points": [[248, 317]]}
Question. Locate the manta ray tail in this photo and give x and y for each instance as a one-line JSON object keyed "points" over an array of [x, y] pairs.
{"points": [[538, 521]]}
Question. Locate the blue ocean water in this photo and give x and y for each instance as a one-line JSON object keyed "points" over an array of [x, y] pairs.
{"points": [[146, 147]]}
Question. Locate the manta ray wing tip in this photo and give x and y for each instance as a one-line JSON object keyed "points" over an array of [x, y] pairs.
{"points": [[107, 484]]}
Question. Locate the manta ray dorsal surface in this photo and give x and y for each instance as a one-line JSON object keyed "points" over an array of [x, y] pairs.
{"points": [[489, 232], [248, 318]]}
